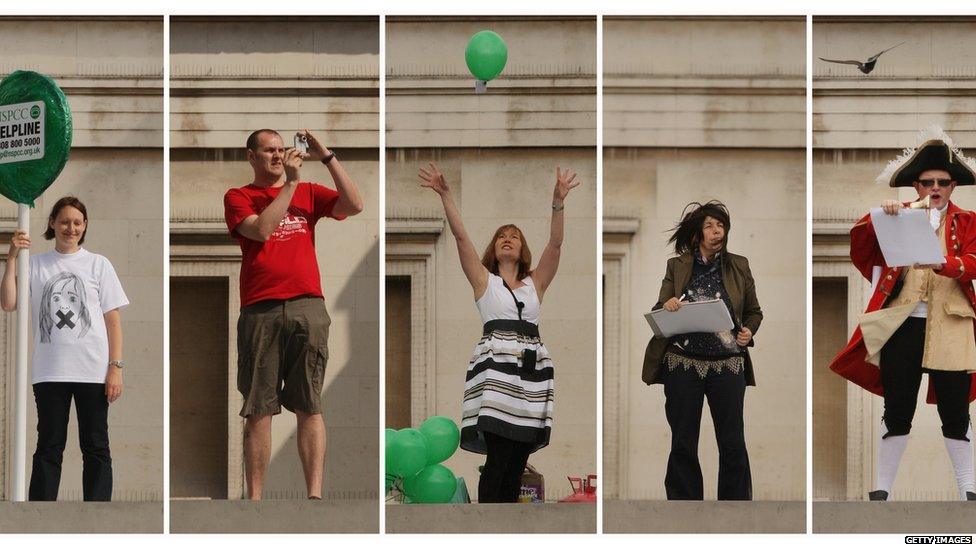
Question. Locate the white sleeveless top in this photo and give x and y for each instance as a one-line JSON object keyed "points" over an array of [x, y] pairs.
{"points": [[497, 302]]}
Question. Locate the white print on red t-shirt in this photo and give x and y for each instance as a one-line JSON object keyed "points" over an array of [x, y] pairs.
{"points": [[291, 225]]}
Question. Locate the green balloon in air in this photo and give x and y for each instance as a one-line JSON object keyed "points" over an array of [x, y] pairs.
{"points": [[442, 436], [486, 55], [409, 452], [435, 484], [24, 180]]}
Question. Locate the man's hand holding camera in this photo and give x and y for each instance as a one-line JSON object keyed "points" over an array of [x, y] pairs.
{"points": [[293, 163]]}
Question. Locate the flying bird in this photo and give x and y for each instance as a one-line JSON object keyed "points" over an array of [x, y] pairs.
{"points": [[865, 67]]}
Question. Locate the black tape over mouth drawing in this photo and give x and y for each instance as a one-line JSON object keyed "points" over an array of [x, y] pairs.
{"points": [[65, 320]]}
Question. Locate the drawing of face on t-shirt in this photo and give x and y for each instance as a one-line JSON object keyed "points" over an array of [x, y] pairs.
{"points": [[294, 223], [64, 313]]}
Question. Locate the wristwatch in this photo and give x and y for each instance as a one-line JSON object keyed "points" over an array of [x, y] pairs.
{"points": [[329, 158], [558, 208], [117, 363]]}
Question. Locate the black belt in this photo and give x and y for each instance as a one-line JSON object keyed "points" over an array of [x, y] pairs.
{"points": [[267, 304], [521, 327]]}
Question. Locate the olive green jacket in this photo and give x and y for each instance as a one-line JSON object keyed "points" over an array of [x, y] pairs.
{"points": [[742, 292]]}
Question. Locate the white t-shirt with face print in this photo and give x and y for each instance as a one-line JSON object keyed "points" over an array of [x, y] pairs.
{"points": [[69, 294]]}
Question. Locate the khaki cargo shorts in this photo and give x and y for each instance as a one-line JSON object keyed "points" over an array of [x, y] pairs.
{"points": [[282, 349]]}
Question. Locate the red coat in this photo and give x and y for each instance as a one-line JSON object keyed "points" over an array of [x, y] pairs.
{"points": [[866, 254]]}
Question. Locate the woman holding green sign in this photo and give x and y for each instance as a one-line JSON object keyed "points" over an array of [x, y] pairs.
{"points": [[75, 301]]}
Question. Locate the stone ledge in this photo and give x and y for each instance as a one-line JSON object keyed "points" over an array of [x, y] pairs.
{"points": [[891, 517], [492, 518], [78, 517], [704, 517], [273, 517], [620, 225], [416, 226]]}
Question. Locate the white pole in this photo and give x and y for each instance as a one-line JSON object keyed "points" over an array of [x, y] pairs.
{"points": [[20, 397]]}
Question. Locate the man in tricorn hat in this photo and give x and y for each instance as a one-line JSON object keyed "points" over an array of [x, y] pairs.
{"points": [[920, 319]]}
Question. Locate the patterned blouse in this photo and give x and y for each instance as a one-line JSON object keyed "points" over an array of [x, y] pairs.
{"points": [[707, 351]]}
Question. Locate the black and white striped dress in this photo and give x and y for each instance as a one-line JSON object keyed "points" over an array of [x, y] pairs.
{"points": [[504, 393]]}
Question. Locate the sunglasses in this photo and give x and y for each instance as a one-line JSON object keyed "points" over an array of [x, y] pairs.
{"points": [[929, 182]]}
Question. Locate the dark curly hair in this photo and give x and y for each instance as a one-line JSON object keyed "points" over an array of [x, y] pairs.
{"points": [[687, 233]]}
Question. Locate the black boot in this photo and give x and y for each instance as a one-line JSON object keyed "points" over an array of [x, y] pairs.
{"points": [[878, 495], [970, 496]]}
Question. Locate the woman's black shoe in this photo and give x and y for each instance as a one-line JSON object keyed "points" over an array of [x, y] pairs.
{"points": [[878, 495]]}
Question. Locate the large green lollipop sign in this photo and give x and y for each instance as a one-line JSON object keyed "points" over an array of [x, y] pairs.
{"points": [[35, 139], [35, 135]]}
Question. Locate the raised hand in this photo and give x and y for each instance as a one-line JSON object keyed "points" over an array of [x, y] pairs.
{"points": [[315, 147], [432, 178], [565, 182]]}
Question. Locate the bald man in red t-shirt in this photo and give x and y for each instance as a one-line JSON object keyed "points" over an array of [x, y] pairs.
{"points": [[283, 329]]}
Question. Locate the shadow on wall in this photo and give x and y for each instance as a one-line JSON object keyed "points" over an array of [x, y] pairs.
{"points": [[352, 449]]}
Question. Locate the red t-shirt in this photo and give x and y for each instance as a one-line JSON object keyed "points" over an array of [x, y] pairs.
{"points": [[285, 265]]}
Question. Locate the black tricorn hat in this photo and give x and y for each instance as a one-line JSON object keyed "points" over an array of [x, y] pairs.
{"points": [[935, 152]]}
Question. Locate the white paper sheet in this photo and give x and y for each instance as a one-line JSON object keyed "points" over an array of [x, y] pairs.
{"points": [[907, 238], [699, 316]]}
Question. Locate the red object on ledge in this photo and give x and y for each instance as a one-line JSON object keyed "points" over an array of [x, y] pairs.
{"points": [[584, 490]]}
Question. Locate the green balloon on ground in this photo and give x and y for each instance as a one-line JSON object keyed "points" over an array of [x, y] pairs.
{"points": [[389, 455], [443, 437], [410, 486], [435, 484], [24, 181], [409, 451], [486, 55]]}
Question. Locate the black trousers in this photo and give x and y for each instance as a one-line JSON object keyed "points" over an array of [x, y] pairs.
{"points": [[685, 392], [901, 377], [501, 477], [53, 406]]}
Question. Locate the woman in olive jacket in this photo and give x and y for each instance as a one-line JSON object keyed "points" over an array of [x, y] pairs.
{"points": [[697, 366]]}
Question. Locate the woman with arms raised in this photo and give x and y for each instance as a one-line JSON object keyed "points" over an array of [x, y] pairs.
{"points": [[508, 390]]}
